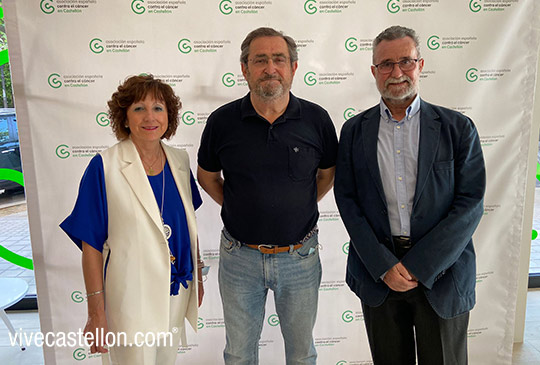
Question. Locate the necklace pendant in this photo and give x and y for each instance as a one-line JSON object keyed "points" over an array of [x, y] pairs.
{"points": [[151, 171], [168, 230]]}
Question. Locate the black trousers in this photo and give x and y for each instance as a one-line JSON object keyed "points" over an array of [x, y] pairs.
{"points": [[405, 325]]}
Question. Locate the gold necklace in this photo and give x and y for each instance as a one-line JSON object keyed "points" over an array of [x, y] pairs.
{"points": [[150, 167]]}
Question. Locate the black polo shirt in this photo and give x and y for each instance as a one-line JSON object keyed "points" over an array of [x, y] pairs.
{"points": [[270, 191]]}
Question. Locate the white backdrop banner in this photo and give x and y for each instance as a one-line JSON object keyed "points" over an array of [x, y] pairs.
{"points": [[68, 56]]}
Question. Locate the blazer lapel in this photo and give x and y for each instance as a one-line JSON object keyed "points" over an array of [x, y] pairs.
{"points": [[370, 135], [138, 181], [430, 129], [180, 173]]}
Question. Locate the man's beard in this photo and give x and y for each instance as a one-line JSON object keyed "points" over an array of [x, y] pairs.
{"points": [[403, 93], [270, 91]]}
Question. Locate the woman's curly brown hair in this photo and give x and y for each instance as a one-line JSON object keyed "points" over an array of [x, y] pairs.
{"points": [[134, 89]]}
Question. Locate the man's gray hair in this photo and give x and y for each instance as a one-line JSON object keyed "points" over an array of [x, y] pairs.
{"points": [[267, 32], [396, 32]]}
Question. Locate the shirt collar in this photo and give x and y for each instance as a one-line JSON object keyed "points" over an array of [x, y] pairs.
{"points": [[412, 109], [293, 110]]}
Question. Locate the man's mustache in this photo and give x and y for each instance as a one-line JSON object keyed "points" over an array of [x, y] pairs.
{"points": [[393, 80], [270, 77]]}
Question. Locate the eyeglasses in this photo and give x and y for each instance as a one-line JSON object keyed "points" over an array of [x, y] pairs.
{"points": [[262, 61], [387, 67]]}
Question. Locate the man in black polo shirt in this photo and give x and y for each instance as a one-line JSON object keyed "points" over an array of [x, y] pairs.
{"points": [[277, 154]]}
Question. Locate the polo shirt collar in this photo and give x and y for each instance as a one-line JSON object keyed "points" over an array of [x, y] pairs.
{"points": [[293, 110], [411, 109]]}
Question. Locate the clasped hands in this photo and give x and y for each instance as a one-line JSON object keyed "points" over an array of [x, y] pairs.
{"points": [[399, 279]]}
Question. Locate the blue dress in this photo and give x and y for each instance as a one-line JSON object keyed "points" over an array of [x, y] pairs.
{"points": [[88, 221]]}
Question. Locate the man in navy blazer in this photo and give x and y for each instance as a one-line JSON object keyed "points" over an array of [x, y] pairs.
{"points": [[409, 185]]}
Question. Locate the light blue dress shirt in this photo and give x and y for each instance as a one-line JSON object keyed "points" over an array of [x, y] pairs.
{"points": [[397, 156]]}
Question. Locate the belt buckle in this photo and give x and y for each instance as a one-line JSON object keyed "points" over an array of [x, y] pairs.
{"points": [[403, 242], [269, 248]]}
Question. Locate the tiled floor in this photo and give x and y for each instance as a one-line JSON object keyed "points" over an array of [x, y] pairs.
{"points": [[28, 321], [15, 236]]}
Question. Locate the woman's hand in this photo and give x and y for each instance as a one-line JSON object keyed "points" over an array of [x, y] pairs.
{"points": [[97, 326], [92, 263]]}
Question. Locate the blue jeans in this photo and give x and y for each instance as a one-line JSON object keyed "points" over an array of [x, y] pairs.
{"points": [[245, 275]]}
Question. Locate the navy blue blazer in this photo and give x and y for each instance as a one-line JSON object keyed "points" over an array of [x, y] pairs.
{"points": [[447, 208]]}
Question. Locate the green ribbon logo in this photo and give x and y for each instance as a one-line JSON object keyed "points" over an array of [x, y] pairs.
{"points": [[200, 323], [137, 7], [184, 45], [475, 6], [350, 44], [471, 75], [393, 6], [188, 118], [95, 45], [347, 316], [310, 7], [62, 151], [46, 6], [349, 113], [273, 320], [309, 78], [225, 7], [77, 297], [433, 42], [103, 119], [228, 79], [342, 362], [79, 354], [54, 82], [345, 248]]}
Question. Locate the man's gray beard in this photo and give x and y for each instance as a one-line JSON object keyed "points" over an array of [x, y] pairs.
{"points": [[410, 92], [269, 93]]}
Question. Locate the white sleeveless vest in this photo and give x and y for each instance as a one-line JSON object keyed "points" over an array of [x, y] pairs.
{"points": [[137, 281]]}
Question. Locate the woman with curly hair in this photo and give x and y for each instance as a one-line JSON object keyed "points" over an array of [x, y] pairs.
{"points": [[134, 220]]}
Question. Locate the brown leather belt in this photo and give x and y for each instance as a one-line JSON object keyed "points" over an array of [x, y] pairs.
{"points": [[270, 249]]}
